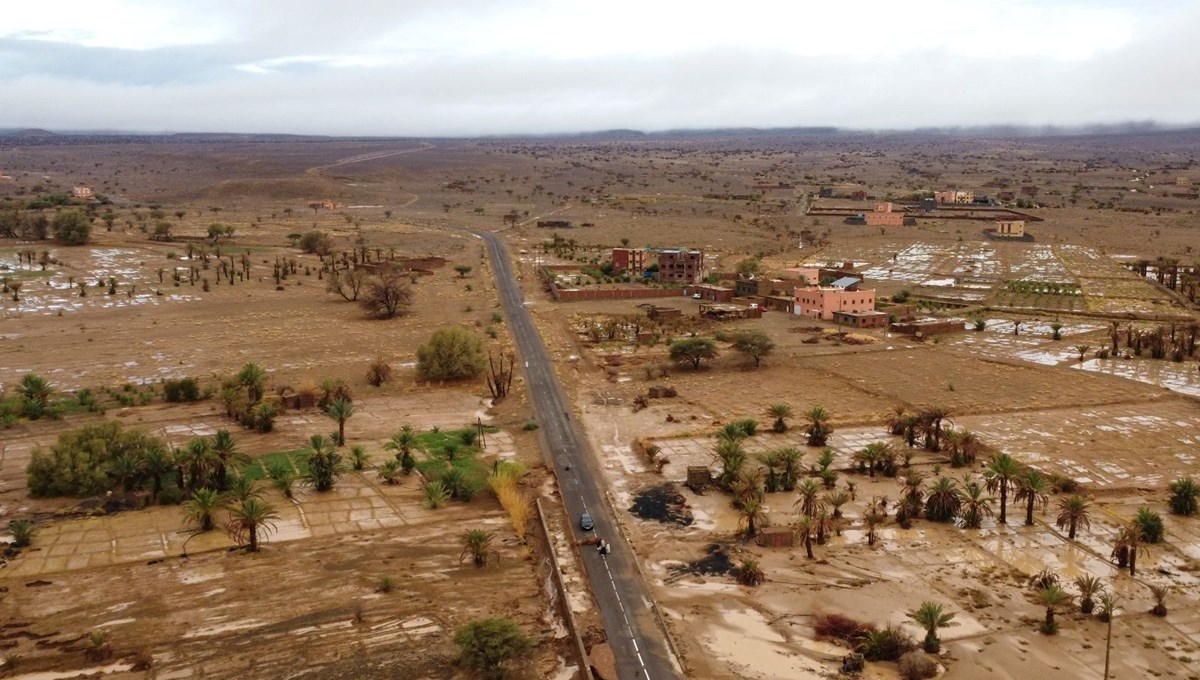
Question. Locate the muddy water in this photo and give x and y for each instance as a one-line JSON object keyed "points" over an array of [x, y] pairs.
{"points": [[745, 639], [1183, 378]]}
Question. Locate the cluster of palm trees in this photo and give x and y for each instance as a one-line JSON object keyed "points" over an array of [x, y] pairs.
{"points": [[243, 394], [926, 423], [1163, 342], [33, 399]]}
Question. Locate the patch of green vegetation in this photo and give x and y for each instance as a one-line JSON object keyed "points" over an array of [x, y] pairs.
{"points": [[257, 468], [437, 439]]}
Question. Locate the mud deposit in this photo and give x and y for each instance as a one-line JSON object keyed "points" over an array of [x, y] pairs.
{"points": [[716, 563], [662, 503]]}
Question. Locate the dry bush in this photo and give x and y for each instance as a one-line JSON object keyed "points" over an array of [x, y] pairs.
{"points": [[917, 666], [379, 372], [308, 391], [518, 506], [840, 627]]}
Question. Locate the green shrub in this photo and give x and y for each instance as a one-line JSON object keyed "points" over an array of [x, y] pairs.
{"points": [[1151, 523], [530, 426], [78, 463], [184, 389], [170, 495]]}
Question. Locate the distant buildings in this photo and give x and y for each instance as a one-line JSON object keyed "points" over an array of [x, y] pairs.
{"points": [[675, 265], [83, 193], [954, 196]]}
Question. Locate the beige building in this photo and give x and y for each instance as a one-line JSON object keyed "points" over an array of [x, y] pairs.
{"points": [[1010, 228], [954, 196], [85, 193]]}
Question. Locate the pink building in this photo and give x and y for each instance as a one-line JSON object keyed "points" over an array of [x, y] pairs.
{"points": [[884, 216], [820, 302]]}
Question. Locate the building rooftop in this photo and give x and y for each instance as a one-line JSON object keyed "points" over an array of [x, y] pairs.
{"points": [[846, 282]]}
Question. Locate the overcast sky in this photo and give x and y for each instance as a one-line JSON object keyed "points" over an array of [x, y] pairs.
{"points": [[463, 67]]}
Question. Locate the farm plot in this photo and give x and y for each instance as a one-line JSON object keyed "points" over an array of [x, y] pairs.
{"points": [[1120, 446]]}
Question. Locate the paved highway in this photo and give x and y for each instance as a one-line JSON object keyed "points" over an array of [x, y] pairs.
{"points": [[633, 632]]}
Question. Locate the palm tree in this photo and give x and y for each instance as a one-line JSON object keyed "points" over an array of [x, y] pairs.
{"points": [[876, 456], [810, 491], [128, 470], [896, 419], [340, 410], [975, 505], [436, 495], [835, 500], [1034, 488], [823, 524], [1050, 597], [282, 476], [873, 519], [201, 509], [403, 443], [731, 432], [1130, 542], [359, 457], [1089, 587], [157, 463], [478, 544], [334, 388], [1183, 496], [804, 528], [325, 464], [962, 445], [750, 573], [1000, 474], [1074, 512], [732, 456], [779, 412], [931, 418], [252, 377], [242, 488], [390, 471], [196, 458], [789, 459], [943, 501], [931, 616], [35, 389], [771, 461], [1108, 607], [225, 448], [912, 492], [818, 426], [1160, 593], [748, 486], [254, 515], [751, 517]]}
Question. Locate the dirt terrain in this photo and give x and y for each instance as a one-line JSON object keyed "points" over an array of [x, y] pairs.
{"points": [[1122, 428]]}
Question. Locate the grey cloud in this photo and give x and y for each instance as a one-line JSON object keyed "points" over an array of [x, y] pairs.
{"points": [[198, 88]]}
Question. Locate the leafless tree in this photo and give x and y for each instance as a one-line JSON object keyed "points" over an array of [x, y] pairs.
{"points": [[500, 374], [386, 295]]}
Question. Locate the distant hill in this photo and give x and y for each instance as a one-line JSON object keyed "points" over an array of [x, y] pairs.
{"points": [[27, 133]]}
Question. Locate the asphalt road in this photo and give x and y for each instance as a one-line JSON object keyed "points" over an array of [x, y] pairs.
{"points": [[633, 632]]}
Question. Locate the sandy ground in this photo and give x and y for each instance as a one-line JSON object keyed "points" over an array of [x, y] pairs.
{"points": [[1123, 426]]}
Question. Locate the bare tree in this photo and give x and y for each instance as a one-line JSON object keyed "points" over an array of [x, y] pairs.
{"points": [[500, 374], [347, 283], [386, 295]]}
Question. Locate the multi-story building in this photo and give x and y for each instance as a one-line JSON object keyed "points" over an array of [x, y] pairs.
{"points": [[820, 302], [631, 260], [680, 265]]}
